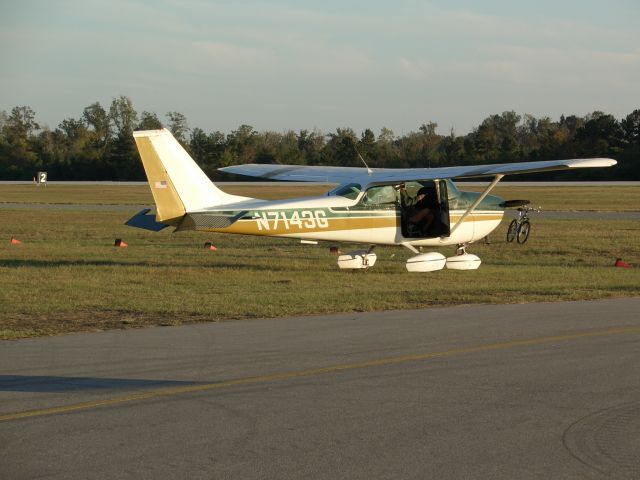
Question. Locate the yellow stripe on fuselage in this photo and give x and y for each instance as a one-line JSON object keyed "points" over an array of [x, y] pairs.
{"points": [[252, 227]]}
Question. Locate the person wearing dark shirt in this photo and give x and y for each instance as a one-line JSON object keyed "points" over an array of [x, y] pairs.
{"points": [[418, 209]]}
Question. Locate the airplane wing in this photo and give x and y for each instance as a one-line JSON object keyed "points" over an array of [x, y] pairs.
{"points": [[304, 173], [298, 173]]}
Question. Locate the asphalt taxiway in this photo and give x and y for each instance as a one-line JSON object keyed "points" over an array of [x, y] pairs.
{"points": [[546, 390]]}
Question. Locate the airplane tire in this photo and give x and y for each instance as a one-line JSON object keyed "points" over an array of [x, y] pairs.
{"points": [[523, 231], [512, 230]]}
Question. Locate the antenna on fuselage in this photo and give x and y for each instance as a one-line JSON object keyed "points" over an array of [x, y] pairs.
{"points": [[369, 171]]}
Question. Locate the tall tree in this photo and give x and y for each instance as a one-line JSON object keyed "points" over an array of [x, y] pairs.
{"points": [[80, 159], [123, 156], [21, 122], [367, 147], [452, 149], [311, 145], [3, 120], [631, 127], [267, 144], [97, 120], [149, 121], [388, 152], [241, 146], [288, 151], [601, 134], [178, 126], [341, 148], [207, 150], [430, 143], [18, 156]]}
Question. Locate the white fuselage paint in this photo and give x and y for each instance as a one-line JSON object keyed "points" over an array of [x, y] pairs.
{"points": [[474, 228]]}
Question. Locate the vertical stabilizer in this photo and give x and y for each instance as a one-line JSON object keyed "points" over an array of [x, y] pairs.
{"points": [[177, 183]]}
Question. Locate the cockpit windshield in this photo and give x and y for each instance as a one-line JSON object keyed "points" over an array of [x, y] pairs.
{"points": [[452, 189], [347, 190]]}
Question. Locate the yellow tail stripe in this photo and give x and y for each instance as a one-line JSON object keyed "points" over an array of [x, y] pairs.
{"points": [[169, 206]]}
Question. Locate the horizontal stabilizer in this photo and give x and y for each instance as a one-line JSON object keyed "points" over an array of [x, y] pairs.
{"points": [[203, 221], [144, 221]]}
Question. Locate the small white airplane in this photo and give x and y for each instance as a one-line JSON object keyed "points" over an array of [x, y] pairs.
{"points": [[365, 207]]}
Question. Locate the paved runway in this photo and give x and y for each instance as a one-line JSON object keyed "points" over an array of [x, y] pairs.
{"points": [[511, 391]]}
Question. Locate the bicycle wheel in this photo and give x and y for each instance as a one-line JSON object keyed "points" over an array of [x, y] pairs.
{"points": [[523, 231], [511, 232]]}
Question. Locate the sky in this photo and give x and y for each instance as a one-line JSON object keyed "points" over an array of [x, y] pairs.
{"points": [[281, 65]]}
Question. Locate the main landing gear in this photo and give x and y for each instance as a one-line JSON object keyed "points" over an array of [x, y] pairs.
{"points": [[358, 259], [432, 261], [423, 262]]}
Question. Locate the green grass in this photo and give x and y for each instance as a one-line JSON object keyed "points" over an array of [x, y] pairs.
{"points": [[608, 198], [68, 276], [135, 194], [564, 198], [76, 194]]}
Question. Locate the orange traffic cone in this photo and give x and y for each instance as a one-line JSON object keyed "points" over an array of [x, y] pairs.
{"points": [[120, 243], [14, 241], [621, 263]]}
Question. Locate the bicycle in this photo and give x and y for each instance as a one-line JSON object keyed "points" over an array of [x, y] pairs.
{"points": [[520, 227]]}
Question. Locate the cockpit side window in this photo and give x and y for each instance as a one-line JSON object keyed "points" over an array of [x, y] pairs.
{"points": [[452, 189], [384, 194], [456, 197]]}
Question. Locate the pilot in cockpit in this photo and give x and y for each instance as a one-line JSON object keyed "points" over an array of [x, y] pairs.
{"points": [[418, 209]]}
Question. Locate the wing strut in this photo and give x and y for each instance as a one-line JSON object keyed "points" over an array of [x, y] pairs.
{"points": [[410, 247], [473, 206]]}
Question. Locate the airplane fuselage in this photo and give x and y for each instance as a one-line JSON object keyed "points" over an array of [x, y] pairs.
{"points": [[408, 207], [334, 219]]}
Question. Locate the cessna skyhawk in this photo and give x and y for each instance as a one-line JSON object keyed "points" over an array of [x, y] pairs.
{"points": [[364, 208]]}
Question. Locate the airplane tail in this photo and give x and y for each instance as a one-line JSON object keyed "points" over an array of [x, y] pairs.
{"points": [[177, 183]]}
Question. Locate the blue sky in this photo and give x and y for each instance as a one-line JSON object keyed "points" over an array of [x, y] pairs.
{"points": [[279, 65]]}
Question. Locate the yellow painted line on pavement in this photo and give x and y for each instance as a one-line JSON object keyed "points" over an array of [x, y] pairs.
{"points": [[173, 391]]}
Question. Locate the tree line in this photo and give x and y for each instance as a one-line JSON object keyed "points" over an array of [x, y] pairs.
{"points": [[99, 144]]}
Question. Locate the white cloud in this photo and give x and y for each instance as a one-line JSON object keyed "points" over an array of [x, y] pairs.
{"points": [[415, 69], [401, 64], [556, 67], [230, 56]]}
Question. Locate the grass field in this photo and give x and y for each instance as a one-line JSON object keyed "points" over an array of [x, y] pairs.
{"points": [[606, 198], [67, 275]]}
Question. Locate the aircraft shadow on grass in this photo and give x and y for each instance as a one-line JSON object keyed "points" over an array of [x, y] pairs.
{"points": [[57, 384]]}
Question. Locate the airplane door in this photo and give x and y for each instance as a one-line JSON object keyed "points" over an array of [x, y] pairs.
{"points": [[443, 200]]}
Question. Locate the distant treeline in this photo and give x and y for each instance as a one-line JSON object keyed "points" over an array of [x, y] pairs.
{"points": [[99, 146]]}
